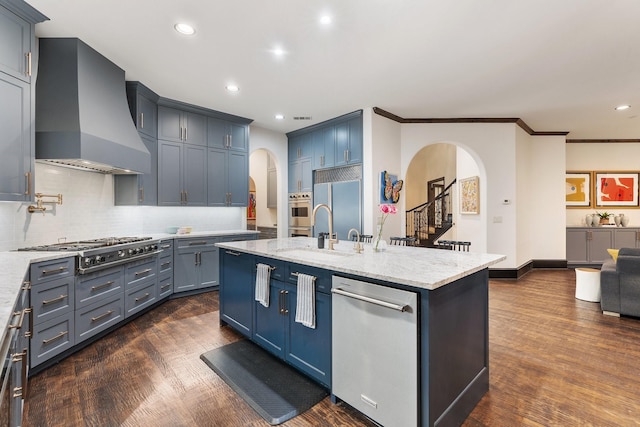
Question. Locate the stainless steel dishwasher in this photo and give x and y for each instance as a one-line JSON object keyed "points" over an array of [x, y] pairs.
{"points": [[375, 350]]}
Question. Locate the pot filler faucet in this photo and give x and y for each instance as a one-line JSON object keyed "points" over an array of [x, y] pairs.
{"points": [[313, 222]]}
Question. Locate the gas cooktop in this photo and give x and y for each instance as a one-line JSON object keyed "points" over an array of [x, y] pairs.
{"points": [[83, 245]]}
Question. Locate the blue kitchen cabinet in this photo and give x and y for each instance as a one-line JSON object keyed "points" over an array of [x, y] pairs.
{"points": [[181, 126], [182, 175], [310, 349], [228, 135], [165, 268], [227, 177], [17, 40], [300, 146], [237, 290], [300, 175], [324, 148], [143, 105], [139, 189], [196, 264], [348, 142]]}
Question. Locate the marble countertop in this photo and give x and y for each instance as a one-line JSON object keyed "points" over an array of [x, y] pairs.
{"points": [[423, 268]]}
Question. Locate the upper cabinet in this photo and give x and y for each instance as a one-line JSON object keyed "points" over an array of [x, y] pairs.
{"points": [[336, 142], [203, 156], [181, 126], [144, 108], [16, 44], [17, 39]]}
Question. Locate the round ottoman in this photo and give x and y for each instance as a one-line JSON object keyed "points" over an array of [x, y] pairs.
{"points": [[588, 284]]}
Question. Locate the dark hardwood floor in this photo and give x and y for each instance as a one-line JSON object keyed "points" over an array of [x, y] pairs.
{"points": [[554, 361]]}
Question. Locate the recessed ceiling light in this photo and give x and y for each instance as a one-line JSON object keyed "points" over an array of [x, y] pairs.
{"points": [[325, 19], [279, 116], [278, 51], [623, 107], [232, 88], [185, 29]]}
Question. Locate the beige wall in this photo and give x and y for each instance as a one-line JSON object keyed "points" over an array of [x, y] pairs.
{"points": [[432, 162]]}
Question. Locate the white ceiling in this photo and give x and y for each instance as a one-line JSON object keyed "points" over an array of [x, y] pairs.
{"points": [[557, 65]]}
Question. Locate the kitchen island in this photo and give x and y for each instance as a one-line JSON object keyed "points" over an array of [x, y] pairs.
{"points": [[451, 335]]}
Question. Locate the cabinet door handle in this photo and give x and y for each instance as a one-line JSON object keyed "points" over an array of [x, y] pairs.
{"points": [[102, 316], [322, 160], [141, 120], [28, 70], [589, 235], [142, 194], [165, 246], [284, 302], [198, 243], [104, 285], [57, 270], [57, 299], [57, 337], [143, 297], [232, 253], [145, 271], [27, 177]]}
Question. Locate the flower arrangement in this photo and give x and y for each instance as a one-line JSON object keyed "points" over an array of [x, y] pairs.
{"points": [[385, 209]]}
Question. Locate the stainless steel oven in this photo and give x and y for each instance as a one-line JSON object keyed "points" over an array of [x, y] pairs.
{"points": [[300, 210]]}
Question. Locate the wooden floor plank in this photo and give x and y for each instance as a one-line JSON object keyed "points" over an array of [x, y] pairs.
{"points": [[554, 361]]}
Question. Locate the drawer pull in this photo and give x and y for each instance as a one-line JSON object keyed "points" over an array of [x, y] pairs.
{"points": [[21, 313], [104, 285], [164, 264], [165, 286], [57, 337], [198, 243], [143, 272], [51, 301], [102, 316], [165, 246], [143, 297], [232, 253], [56, 271]]}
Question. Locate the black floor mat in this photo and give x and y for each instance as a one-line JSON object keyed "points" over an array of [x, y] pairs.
{"points": [[273, 389]]}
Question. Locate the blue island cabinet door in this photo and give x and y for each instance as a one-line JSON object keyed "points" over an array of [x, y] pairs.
{"points": [[269, 326], [310, 349], [236, 290]]}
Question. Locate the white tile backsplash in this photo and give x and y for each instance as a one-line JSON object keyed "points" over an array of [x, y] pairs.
{"points": [[87, 212]]}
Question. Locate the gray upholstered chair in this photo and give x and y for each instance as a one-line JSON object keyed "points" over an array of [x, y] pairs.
{"points": [[620, 284]]}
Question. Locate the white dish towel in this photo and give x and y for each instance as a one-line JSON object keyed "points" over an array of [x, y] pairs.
{"points": [[306, 301], [263, 273]]}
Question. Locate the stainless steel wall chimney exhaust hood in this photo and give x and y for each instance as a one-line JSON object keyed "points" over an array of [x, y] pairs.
{"points": [[82, 115]]}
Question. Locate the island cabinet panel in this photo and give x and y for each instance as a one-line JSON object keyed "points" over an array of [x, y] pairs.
{"points": [[237, 290], [269, 322], [454, 317]]}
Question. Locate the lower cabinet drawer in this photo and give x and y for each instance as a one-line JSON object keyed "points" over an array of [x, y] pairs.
{"points": [[51, 338], [99, 316], [52, 299], [165, 287], [96, 286], [140, 297]]}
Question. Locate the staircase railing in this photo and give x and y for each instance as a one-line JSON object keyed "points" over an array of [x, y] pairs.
{"points": [[431, 219]]}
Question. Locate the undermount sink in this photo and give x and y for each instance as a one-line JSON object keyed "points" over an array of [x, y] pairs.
{"points": [[316, 254]]}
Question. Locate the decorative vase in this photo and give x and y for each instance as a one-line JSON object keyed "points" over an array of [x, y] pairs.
{"points": [[624, 220], [595, 220], [380, 245], [616, 219], [588, 219]]}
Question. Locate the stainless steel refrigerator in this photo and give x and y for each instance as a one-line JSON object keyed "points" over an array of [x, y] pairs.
{"points": [[345, 200]]}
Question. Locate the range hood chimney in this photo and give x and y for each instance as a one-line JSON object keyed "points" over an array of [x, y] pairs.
{"points": [[82, 115]]}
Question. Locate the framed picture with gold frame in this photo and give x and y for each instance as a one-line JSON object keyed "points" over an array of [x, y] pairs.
{"points": [[470, 195], [578, 189], [619, 189]]}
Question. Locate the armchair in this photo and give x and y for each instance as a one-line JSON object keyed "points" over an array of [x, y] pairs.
{"points": [[620, 284]]}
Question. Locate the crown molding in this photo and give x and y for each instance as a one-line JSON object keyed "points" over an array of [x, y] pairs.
{"points": [[517, 121], [602, 141]]}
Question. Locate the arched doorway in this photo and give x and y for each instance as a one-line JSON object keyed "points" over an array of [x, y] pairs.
{"points": [[440, 167], [262, 209]]}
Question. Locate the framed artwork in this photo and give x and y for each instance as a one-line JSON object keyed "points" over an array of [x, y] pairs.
{"points": [[470, 195], [616, 189], [578, 189], [251, 206]]}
